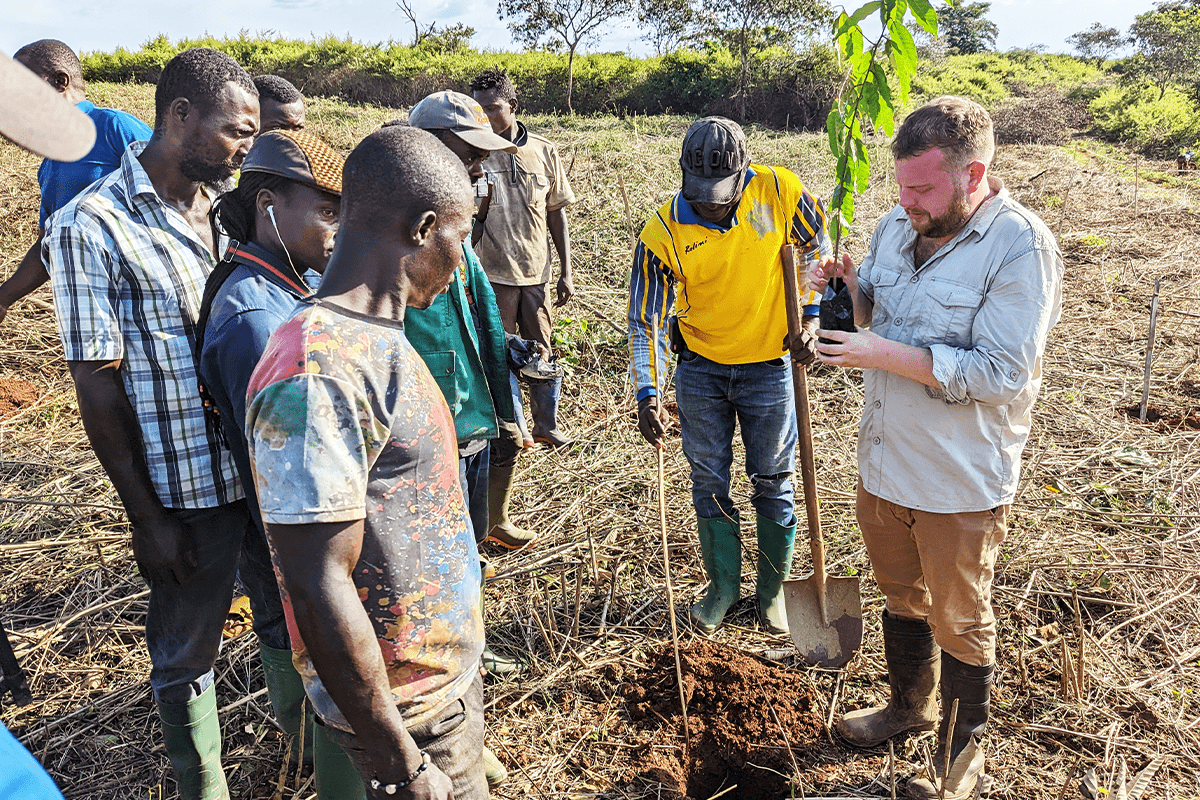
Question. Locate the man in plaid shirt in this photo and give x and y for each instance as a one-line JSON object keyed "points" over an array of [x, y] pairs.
{"points": [[128, 260]]}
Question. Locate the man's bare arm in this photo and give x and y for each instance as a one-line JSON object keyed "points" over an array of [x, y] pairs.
{"points": [[163, 548], [561, 236], [29, 275], [316, 562]]}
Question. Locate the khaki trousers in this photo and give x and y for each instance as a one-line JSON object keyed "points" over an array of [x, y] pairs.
{"points": [[937, 568], [525, 310]]}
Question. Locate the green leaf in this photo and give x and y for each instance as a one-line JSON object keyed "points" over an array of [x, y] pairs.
{"points": [[903, 76], [885, 119], [851, 43], [902, 48], [870, 96], [925, 15], [833, 125], [862, 167], [844, 22]]}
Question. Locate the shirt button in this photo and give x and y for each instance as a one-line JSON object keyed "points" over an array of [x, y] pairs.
{"points": [[878, 405], [1013, 374], [875, 440], [899, 320], [915, 279]]}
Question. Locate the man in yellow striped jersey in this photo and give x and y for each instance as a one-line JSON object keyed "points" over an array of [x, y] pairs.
{"points": [[716, 246]]}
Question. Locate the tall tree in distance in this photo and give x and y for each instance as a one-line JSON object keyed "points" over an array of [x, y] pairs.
{"points": [[1098, 42], [667, 23], [966, 27], [569, 23], [1168, 44], [749, 26]]}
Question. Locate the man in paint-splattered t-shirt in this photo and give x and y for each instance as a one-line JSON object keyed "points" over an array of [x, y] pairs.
{"points": [[352, 397], [355, 460]]}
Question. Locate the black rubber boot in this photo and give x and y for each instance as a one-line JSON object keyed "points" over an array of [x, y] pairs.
{"points": [[972, 687], [912, 660]]}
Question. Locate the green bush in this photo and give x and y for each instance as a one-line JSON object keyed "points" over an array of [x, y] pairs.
{"points": [[792, 87], [1139, 117], [989, 78]]}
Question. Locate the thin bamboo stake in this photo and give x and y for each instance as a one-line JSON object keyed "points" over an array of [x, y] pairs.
{"points": [[946, 755], [1149, 350], [662, 521], [1079, 673]]}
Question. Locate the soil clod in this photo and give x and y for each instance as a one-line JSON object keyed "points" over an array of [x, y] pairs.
{"points": [[736, 739]]}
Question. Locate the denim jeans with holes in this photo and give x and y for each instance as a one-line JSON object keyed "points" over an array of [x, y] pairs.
{"points": [[713, 398]]}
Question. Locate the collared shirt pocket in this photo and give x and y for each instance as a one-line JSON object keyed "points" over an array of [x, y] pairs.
{"points": [[539, 190], [441, 365], [888, 294], [950, 311]]}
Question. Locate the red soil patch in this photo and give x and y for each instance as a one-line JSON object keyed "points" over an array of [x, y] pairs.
{"points": [[1165, 420], [735, 737], [16, 394]]}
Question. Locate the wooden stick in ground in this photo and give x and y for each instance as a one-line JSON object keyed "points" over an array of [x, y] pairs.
{"points": [[1149, 350], [946, 755], [662, 521], [1079, 673]]}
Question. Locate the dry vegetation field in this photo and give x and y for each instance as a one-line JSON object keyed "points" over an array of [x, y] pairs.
{"points": [[1103, 556]]}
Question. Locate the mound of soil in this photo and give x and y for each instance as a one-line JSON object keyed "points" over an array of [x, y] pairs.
{"points": [[16, 394], [735, 737], [1165, 419]]}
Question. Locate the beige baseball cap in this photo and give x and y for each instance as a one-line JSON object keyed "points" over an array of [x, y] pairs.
{"points": [[460, 114], [37, 118]]}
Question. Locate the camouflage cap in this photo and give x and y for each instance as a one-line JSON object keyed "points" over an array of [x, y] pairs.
{"points": [[298, 156]]}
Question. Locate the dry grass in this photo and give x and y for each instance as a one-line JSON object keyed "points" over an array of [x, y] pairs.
{"points": [[1108, 510]]}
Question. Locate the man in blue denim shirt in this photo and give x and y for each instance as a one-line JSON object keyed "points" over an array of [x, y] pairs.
{"points": [[281, 221], [960, 288]]}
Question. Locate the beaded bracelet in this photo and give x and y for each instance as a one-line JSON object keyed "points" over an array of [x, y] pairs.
{"points": [[390, 788]]}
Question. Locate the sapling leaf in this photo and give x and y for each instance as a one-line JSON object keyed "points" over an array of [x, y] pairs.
{"points": [[925, 15], [844, 22]]}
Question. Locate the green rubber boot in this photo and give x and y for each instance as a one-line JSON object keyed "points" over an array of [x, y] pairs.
{"points": [[286, 690], [721, 552], [501, 530], [493, 770], [336, 776], [775, 547], [192, 736]]}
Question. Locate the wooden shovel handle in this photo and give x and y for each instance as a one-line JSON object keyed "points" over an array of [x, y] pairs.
{"points": [[808, 470]]}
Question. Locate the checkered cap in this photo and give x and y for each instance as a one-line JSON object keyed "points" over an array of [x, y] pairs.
{"points": [[298, 156]]}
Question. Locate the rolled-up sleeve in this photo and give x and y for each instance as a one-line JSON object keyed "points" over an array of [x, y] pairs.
{"points": [[1009, 332]]}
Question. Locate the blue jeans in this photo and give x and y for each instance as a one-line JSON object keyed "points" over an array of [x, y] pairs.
{"points": [[712, 397], [183, 624], [473, 475]]}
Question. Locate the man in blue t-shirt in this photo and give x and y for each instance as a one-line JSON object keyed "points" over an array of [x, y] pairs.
{"points": [[60, 181]]}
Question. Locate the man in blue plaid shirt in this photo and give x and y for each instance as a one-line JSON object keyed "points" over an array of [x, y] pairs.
{"points": [[128, 259]]}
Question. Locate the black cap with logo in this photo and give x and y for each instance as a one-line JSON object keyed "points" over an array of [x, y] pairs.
{"points": [[714, 160]]}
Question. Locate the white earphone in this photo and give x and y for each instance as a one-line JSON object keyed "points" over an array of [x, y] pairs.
{"points": [[271, 214]]}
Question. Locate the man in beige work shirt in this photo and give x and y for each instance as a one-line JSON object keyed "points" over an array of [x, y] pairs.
{"points": [[527, 205], [960, 288]]}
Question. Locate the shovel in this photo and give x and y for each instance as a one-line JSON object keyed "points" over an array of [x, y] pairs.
{"points": [[824, 614]]}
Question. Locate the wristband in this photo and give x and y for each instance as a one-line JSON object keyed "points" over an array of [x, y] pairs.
{"points": [[391, 788]]}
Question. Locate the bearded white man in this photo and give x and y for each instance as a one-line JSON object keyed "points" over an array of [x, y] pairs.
{"points": [[957, 295]]}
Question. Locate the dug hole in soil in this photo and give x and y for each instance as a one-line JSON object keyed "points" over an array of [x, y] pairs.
{"points": [[16, 394], [735, 739]]}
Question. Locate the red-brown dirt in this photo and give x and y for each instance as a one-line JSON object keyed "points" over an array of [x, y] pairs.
{"points": [[16, 394], [743, 715]]}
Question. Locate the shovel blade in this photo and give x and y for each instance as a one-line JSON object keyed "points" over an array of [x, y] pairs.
{"points": [[821, 642]]}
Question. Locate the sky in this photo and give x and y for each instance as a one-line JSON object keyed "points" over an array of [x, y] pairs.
{"points": [[88, 26]]}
